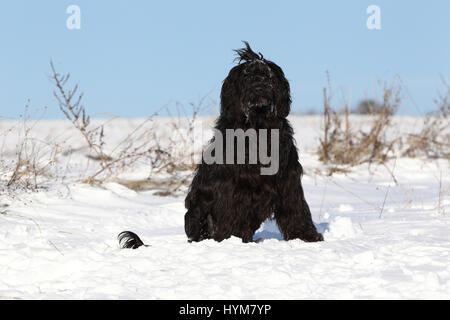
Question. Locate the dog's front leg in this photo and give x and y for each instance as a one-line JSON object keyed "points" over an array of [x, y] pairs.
{"points": [[292, 213], [196, 225]]}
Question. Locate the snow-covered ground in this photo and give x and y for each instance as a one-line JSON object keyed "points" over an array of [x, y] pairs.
{"points": [[382, 239]]}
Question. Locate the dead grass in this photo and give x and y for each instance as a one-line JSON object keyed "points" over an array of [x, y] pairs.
{"points": [[32, 157], [344, 144], [140, 146], [433, 141]]}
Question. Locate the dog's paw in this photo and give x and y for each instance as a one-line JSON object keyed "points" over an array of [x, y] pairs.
{"points": [[192, 240], [319, 237], [315, 238], [312, 237]]}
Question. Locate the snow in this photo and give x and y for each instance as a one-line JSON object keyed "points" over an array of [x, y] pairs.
{"points": [[382, 240]]}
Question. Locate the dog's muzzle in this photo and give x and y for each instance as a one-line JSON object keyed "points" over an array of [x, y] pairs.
{"points": [[259, 104]]}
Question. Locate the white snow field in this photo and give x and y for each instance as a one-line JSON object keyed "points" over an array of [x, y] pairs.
{"points": [[383, 240]]}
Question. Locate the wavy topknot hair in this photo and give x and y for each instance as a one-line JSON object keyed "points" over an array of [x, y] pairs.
{"points": [[247, 54]]}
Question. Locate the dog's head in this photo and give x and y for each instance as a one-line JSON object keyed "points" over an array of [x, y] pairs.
{"points": [[255, 88]]}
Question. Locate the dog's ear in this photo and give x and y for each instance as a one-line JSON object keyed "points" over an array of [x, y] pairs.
{"points": [[283, 91], [284, 105], [229, 96], [247, 54]]}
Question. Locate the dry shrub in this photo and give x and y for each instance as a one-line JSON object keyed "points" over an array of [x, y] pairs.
{"points": [[433, 141], [344, 144], [141, 146], [172, 169], [32, 157]]}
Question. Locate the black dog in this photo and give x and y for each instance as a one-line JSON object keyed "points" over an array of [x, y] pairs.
{"points": [[235, 199]]}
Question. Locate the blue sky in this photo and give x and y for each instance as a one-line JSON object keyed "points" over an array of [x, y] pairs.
{"points": [[133, 57]]}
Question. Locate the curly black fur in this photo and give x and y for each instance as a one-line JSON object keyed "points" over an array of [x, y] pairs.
{"points": [[234, 199], [129, 240]]}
